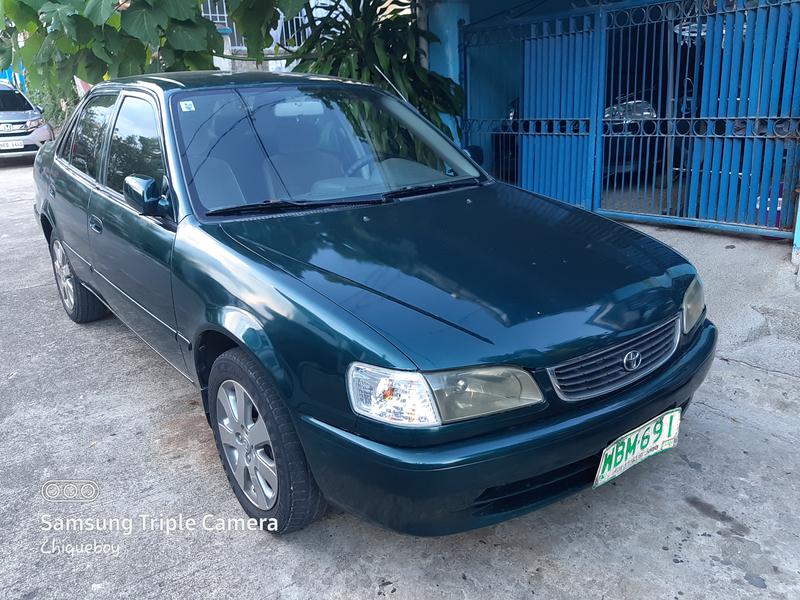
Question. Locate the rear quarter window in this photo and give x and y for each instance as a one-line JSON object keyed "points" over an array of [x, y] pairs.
{"points": [[83, 150]]}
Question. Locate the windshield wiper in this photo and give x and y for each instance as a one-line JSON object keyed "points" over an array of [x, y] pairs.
{"points": [[275, 206], [430, 188]]}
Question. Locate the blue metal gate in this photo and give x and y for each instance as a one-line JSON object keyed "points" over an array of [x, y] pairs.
{"points": [[681, 112], [559, 108]]}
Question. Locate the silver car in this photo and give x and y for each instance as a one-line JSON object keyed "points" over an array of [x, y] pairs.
{"points": [[23, 129]]}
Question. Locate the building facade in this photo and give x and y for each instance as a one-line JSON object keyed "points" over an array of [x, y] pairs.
{"points": [[683, 112]]}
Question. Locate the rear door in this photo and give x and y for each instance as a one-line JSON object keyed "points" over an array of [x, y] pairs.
{"points": [[131, 253], [75, 171]]}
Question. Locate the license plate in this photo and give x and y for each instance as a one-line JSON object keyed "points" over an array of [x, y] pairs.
{"points": [[632, 448], [13, 145]]}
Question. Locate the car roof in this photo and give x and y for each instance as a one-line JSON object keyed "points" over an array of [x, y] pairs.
{"points": [[192, 80]]}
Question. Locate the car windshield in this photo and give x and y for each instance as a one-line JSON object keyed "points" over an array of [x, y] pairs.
{"points": [[251, 145], [13, 101]]}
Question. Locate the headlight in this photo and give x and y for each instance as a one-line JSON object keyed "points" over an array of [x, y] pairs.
{"points": [[34, 123], [412, 399], [396, 397], [476, 392], [694, 303]]}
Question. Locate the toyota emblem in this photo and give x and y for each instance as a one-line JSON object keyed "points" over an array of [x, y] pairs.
{"points": [[632, 360]]}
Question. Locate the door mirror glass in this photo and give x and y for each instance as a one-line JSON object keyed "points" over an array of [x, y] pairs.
{"points": [[144, 195]]}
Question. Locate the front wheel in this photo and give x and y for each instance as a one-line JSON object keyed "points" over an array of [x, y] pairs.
{"points": [[258, 445], [79, 303]]}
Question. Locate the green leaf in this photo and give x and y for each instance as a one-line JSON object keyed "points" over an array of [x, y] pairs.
{"points": [[90, 68], [198, 61], [6, 54], [291, 8], [23, 16], [28, 52], [59, 16], [186, 35], [383, 57], [99, 11], [66, 45], [145, 22], [34, 4], [179, 9], [167, 56], [115, 21], [132, 59], [100, 52]]}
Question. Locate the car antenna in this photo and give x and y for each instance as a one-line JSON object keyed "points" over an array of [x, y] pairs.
{"points": [[389, 81]]}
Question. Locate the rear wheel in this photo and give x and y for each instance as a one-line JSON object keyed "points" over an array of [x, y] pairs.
{"points": [[79, 303], [258, 445]]}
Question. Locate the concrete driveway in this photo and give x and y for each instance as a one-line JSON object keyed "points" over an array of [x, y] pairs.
{"points": [[715, 518]]}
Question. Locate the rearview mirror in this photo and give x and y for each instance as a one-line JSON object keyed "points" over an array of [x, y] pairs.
{"points": [[143, 194]]}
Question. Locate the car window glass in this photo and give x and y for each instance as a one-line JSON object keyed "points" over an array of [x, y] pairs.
{"points": [[13, 101], [66, 144], [306, 143], [135, 147], [88, 134]]}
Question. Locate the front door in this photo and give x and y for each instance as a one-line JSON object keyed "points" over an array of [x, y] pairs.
{"points": [[131, 253]]}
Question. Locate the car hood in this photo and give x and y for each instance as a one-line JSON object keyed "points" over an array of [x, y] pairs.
{"points": [[490, 274], [10, 116]]}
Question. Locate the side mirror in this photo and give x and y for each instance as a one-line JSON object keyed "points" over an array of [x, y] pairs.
{"points": [[144, 195], [40, 108], [475, 153]]}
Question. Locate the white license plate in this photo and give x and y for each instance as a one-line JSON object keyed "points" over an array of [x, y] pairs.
{"points": [[12, 145], [653, 437]]}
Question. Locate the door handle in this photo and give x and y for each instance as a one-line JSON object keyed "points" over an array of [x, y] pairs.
{"points": [[95, 224]]}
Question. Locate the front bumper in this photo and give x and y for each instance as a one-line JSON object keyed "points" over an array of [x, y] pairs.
{"points": [[30, 141], [480, 481]]}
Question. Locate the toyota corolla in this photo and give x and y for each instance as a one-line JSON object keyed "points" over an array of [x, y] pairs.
{"points": [[371, 320]]}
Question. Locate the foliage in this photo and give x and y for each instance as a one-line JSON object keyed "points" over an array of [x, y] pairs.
{"points": [[98, 39], [372, 38], [56, 108]]}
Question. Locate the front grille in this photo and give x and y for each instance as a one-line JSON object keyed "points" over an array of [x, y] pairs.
{"points": [[604, 371], [8, 129]]}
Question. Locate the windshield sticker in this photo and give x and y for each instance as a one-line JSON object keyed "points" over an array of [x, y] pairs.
{"points": [[187, 105]]}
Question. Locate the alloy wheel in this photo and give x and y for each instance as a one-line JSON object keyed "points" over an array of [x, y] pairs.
{"points": [[246, 444], [64, 277]]}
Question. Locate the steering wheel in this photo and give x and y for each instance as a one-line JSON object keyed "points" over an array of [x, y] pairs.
{"points": [[362, 162]]}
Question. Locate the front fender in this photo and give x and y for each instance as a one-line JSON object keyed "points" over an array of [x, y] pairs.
{"points": [[302, 338], [247, 331]]}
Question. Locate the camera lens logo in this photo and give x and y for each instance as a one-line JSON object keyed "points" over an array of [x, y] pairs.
{"points": [[70, 490]]}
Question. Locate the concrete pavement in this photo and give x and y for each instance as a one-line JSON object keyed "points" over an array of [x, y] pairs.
{"points": [[715, 518]]}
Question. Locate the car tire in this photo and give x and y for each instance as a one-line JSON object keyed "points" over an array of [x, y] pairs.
{"points": [[81, 305], [258, 445]]}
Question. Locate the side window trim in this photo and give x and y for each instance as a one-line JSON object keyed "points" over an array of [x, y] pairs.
{"points": [[69, 129], [106, 147]]}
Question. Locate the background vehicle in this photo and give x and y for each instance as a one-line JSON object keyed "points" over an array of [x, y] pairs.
{"points": [[23, 129]]}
